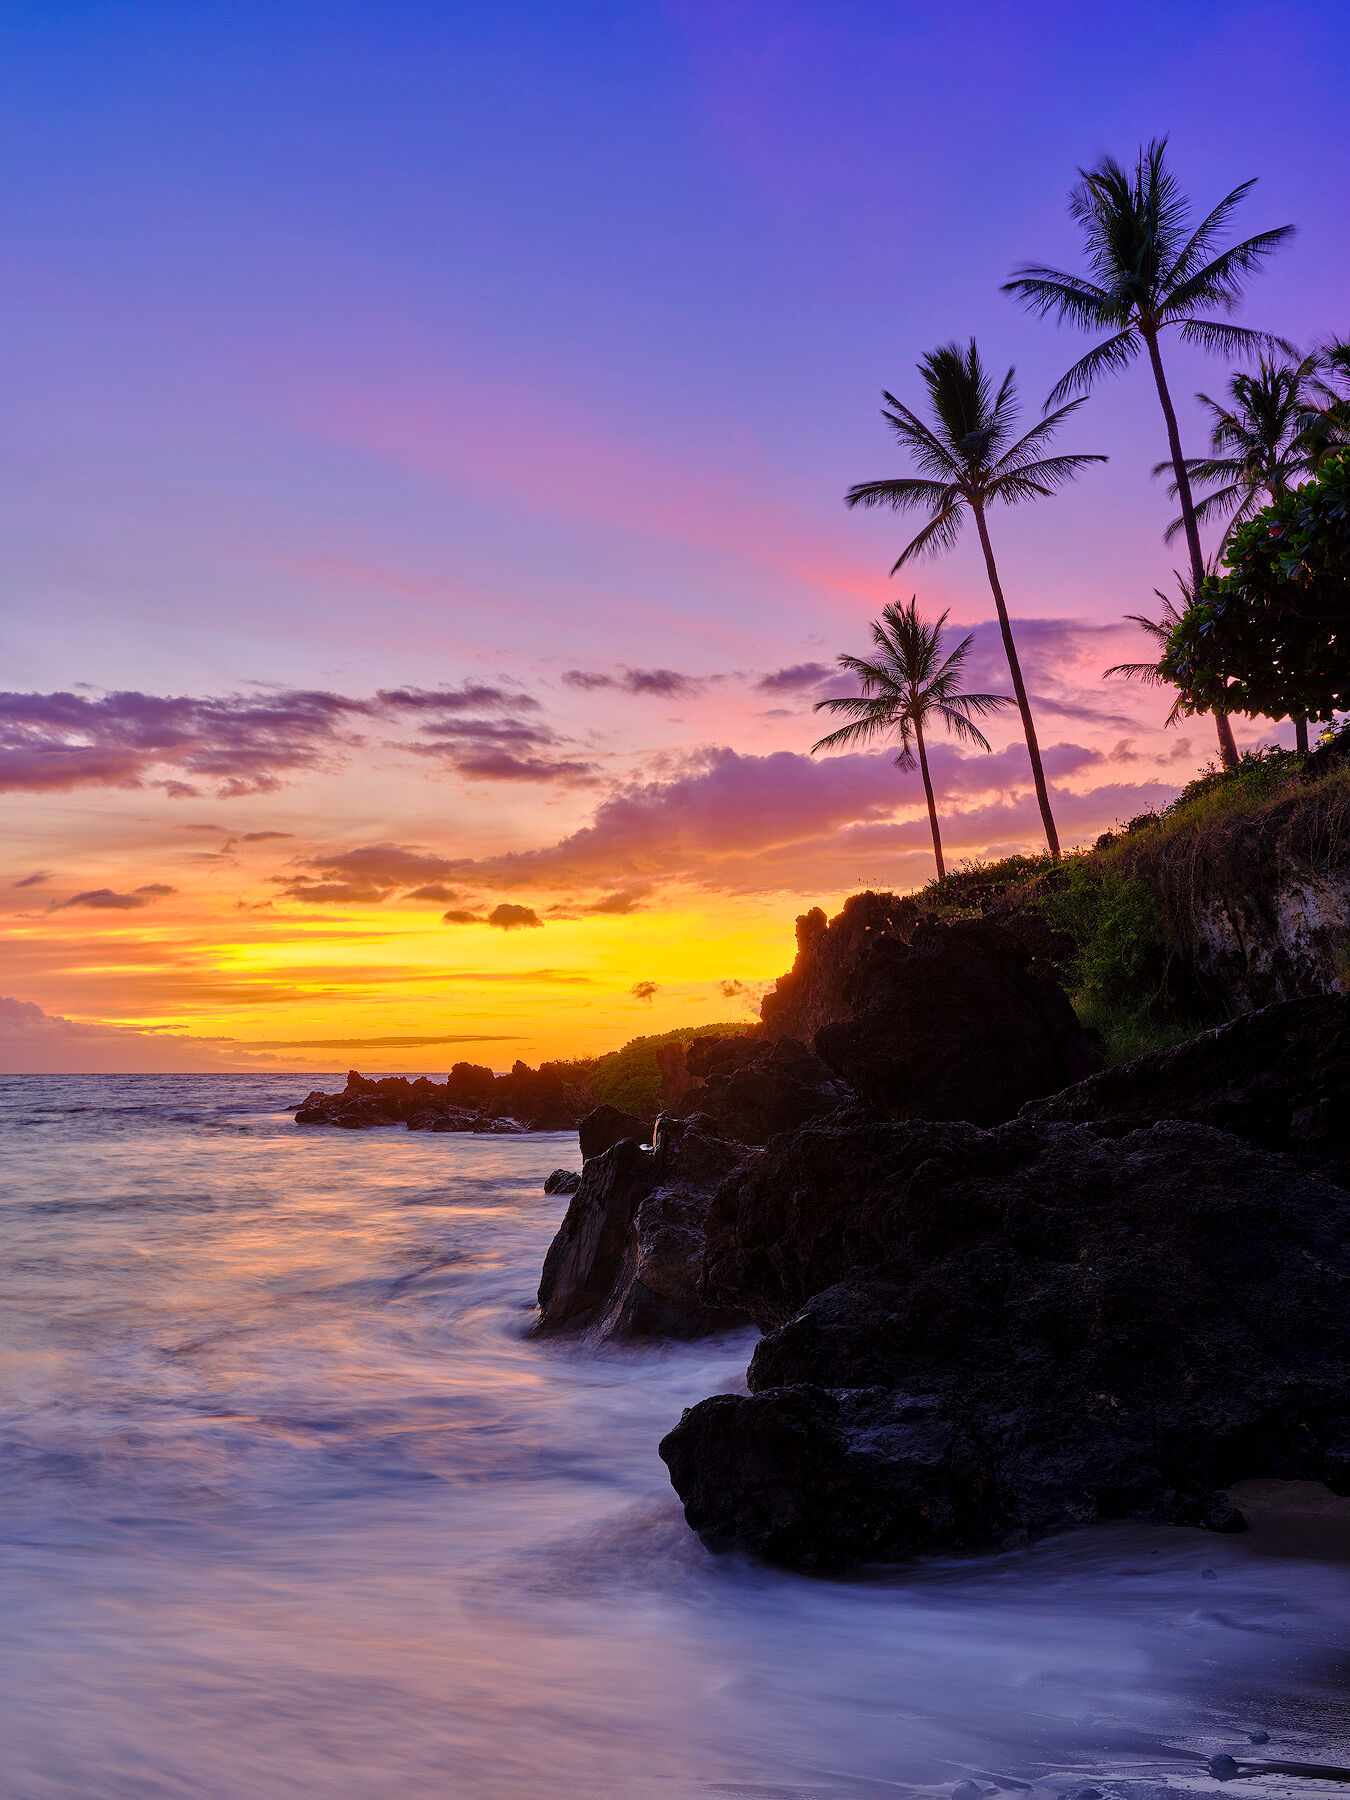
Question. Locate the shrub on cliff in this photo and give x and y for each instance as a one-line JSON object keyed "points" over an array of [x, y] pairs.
{"points": [[1272, 636]]}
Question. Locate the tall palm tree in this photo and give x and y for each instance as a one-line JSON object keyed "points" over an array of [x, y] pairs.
{"points": [[969, 462], [1329, 427], [1260, 443], [906, 686], [1150, 273]]}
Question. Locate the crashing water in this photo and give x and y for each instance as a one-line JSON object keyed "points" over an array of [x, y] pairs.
{"points": [[293, 1507]]}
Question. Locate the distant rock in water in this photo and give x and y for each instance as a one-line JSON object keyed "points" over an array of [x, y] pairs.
{"points": [[979, 1335], [1279, 1078], [627, 1258], [472, 1098], [960, 1022]]}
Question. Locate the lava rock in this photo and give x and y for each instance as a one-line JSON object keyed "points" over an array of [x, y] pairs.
{"points": [[976, 1336], [961, 1022], [752, 1090], [470, 1099], [606, 1126], [1279, 1078], [813, 992], [627, 1258]]}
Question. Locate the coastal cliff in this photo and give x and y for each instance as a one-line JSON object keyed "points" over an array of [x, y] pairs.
{"points": [[1005, 1288]]}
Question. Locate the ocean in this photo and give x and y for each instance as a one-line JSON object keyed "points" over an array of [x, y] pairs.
{"points": [[292, 1506]]}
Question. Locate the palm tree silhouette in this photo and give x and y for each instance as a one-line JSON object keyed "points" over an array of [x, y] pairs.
{"points": [[1260, 443], [906, 686], [1160, 630], [1151, 273], [969, 463]]}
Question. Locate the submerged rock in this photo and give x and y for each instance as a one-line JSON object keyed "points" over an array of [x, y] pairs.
{"points": [[1279, 1078], [978, 1335], [627, 1257], [961, 1022]]}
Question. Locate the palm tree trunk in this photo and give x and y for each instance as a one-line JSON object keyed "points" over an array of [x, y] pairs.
{"points": [[1019, 688], [1178, 465], [1301, 736], [932, 804], [1227, 748], [1228, 754]]}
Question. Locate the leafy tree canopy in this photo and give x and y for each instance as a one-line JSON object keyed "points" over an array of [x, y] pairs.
{"points": [[1272, 636]]}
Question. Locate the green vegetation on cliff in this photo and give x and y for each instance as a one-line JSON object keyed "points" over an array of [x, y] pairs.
{"points": [[629, 1077], [1120, 918]]}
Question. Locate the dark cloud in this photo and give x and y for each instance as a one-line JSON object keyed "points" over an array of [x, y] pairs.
{"points": [[434, 890], [36, 879], [263, 837], [508, 917], [794, 679], [244, 743], [500, 765], [472, 696], [645, 990], [106, 900], [463, 918], [626, 900], [361, 876], [247, 743], [665, 684]]}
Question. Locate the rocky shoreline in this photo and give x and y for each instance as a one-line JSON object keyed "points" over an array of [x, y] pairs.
{"points": [[471, 1098], [1003, 1290]]}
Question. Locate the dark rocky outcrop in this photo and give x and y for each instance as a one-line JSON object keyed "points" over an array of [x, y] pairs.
{"points": [[975, 1335], [1279, 1078], [470, 1099], [960, 1022], [606, 1126], [562, 1181], [751, 1089], [812, 993], [627, 1258]]}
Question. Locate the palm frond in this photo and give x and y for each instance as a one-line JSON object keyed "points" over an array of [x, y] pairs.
{"points": [[1221, 281], [940, 533], [1020, 453], [901, 494], [1231, 340], [1053, 293], [1202, 238], [1042, 477], [1113, 354]]}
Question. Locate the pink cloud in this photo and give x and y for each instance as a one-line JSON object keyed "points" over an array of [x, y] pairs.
{"points": [[792, 822], [36, 1042]]}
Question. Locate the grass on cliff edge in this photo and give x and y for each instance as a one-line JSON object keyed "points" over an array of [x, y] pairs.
{"points": [[629, 1077], [1118, 929]]}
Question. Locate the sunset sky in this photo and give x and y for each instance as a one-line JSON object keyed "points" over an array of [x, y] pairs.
{"points": [[424, 440]]}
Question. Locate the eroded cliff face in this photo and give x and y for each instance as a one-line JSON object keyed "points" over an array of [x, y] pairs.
{"points": [[1259, 905]]}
